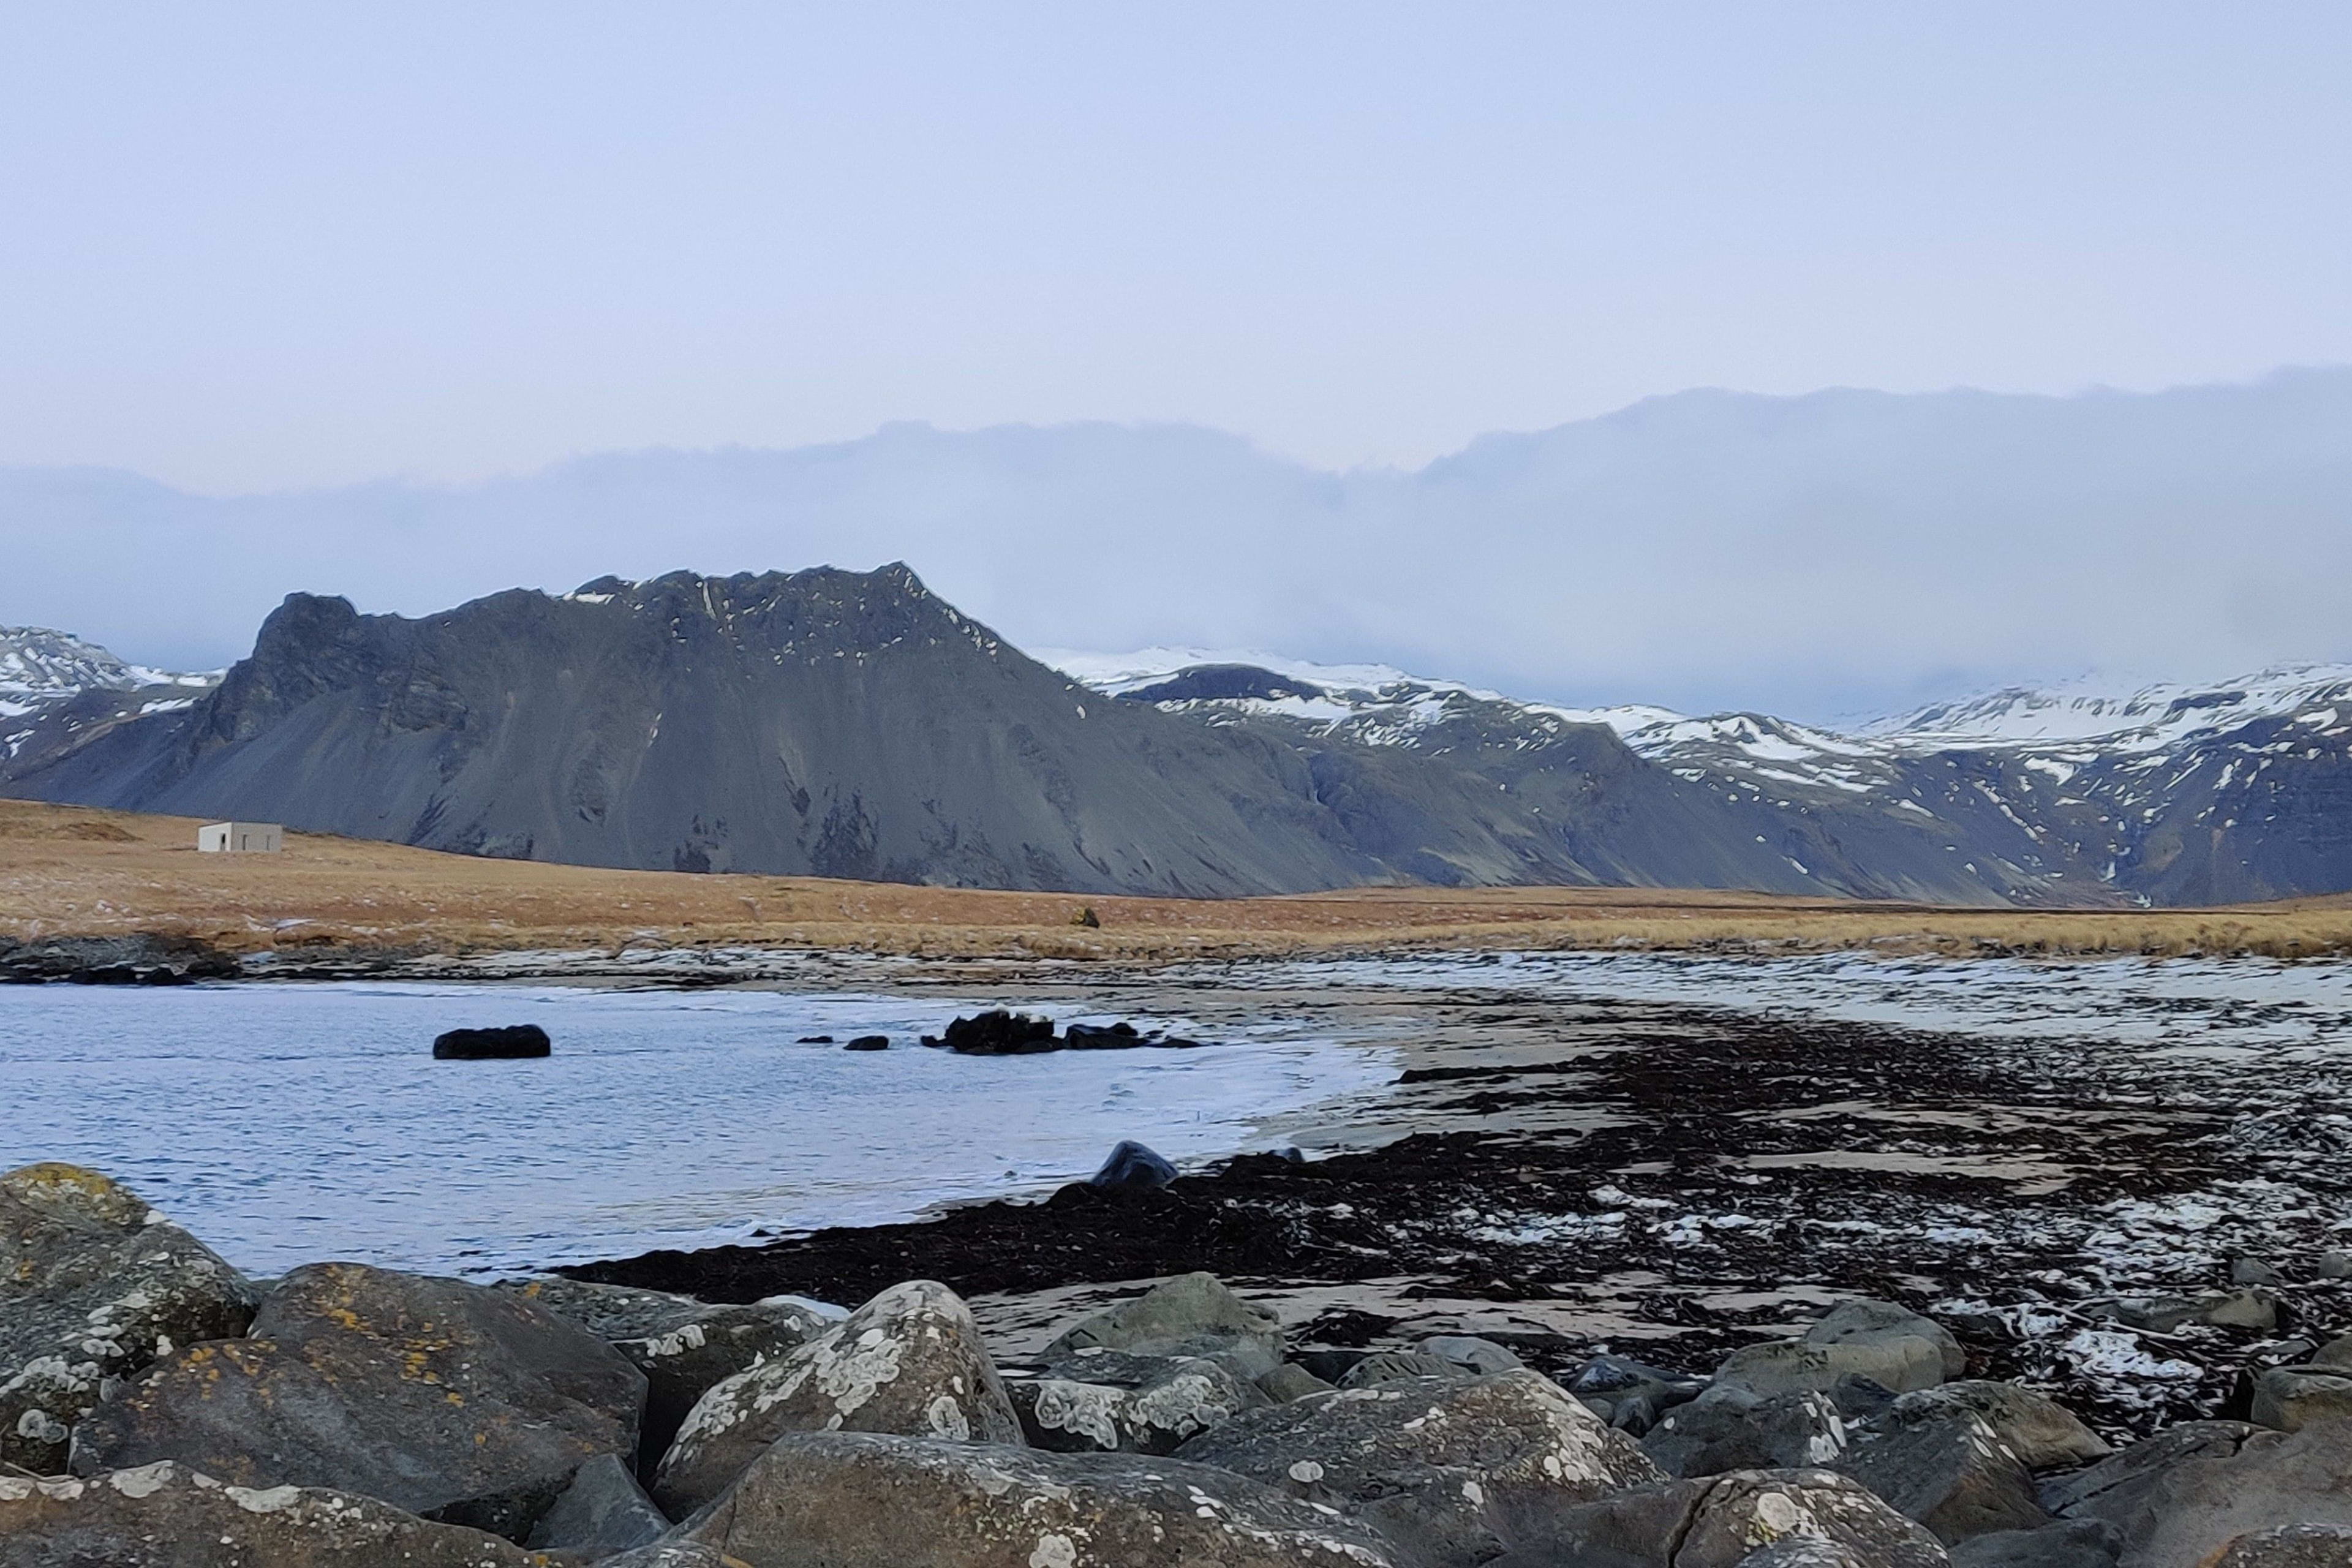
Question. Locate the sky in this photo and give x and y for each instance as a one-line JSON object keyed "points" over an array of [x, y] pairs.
{"points": [[252, 248]]}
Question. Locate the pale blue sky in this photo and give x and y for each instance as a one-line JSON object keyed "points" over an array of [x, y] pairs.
{"points": [[248, 247]]}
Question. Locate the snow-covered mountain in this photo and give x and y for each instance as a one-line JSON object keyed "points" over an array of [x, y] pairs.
{"points": [[2176, 794], [58, 691]]}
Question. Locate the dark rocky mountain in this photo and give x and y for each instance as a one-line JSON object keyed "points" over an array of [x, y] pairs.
{"points": [[853, 725], [2171, 794]]}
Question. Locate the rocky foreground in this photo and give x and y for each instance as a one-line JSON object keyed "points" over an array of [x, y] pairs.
{"points": [[156, 1408]]}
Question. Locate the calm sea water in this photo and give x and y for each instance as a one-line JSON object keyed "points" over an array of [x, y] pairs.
{"points": [[289, 1123]]}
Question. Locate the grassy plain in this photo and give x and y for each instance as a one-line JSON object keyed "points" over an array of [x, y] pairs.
{"points": [[66, 870]]}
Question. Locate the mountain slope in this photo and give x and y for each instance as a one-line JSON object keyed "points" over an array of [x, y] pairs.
{"points": [[57, 691], [2174, 795], [845, 724]]}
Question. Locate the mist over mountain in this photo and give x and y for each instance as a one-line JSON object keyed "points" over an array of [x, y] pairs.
{"points": [[1845, 552]]}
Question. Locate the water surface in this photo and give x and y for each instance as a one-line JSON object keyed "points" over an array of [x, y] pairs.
{"points": [[287, 1123]]}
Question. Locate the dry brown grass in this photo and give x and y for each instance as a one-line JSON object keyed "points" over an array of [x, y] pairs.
{"points": [[65, 870]]}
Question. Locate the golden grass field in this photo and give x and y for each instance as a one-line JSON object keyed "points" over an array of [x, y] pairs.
{"points": [[67, 870]]}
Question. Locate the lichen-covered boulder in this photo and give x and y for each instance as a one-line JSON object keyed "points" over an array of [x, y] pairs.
{"points": [[458, 1403], [1947, 1469], [94, 1285], [1730, 1428], [834, 1500], [1803, 1518], [2041, 1433], [1193, 1314], [685, 1347], [2191, 1489], [1447, 1467], [909, 1361], [1187, 1398], [167, 1515]]}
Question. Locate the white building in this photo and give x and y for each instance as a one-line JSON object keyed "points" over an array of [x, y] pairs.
{"points": [[240, 838]]}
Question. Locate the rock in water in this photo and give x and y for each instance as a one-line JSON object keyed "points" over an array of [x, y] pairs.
{"points": [[999, 1034], [462, 1404], [167, 1515], [909, 1361], [1721, 1521], [1133, 1165], [685, 1347], [868, 1043], [844, 1498], [93, 1285], [514, 1042], [1450, 1469]]}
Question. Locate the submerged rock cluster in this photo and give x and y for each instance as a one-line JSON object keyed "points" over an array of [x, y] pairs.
{"points": [[159, 1408]]}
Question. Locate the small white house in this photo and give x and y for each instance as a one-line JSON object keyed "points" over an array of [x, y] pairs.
{"points": [[240, 838]]}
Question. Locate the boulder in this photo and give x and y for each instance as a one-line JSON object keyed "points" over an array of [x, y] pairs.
{"points": [[2191, 1489], [1864, 1321], [167, 1515], [2288, 1546], [998, 1033], [2041, 1433], [2335, 1353], [1815, 1518], [1388, 1366], [1192, 1314], [1185, 1400], [1795, 1366], [1888, 1344], [909, 1361], [2334, 1265], [1471, 1353], [2064, 1543], [1607, 1383], [2254, 1272], [868, 1043], [603, 1511], [514, 1042], [1448, 1468], [1131, 1165], [685, 1347], [462, 1404], [2249, 1308], [842, 1500], [94, 1285], [671, 1554], [1291, 1381], [1945, 1468], [2290, 1398], [1729, 1429]]}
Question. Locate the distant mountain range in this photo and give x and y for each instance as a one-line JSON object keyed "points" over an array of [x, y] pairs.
{"points": [[854, 724]]}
